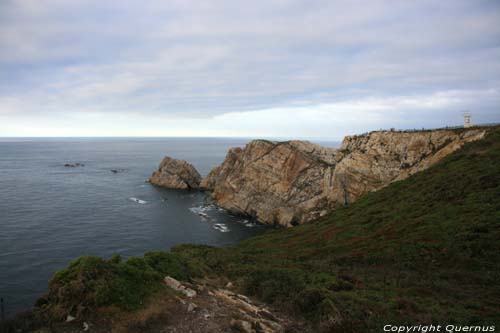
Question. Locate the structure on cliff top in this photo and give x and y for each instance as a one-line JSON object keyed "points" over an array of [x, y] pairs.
{"points": [[467, 120]]}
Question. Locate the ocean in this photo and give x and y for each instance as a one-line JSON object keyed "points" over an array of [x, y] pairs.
{"points": [[51, 213]]}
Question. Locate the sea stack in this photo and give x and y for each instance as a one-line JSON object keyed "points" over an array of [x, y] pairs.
{"points": [[176, 174]]}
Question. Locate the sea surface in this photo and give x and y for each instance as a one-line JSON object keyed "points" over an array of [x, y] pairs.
{"points": [[51, 213]]}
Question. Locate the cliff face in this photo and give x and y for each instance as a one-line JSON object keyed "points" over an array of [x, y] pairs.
{"points": [[294, 182], [282, 182], [176, 174]]}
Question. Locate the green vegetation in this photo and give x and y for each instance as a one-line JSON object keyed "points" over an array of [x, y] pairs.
{"points": [[423, 250], [90, 282]]}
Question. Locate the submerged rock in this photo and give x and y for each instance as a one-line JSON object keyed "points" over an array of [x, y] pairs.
{"points": [[176, 174], [74, 165], [294, 182]]}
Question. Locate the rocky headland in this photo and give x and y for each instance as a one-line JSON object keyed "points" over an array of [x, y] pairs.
{"points": [[176, 174], [295, 182], [424, 248]]}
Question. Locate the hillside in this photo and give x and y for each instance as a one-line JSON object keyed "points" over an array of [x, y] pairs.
{"points": [[422, 250]]}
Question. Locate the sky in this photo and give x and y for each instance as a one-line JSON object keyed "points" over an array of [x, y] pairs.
{"points": [[270, 68]]}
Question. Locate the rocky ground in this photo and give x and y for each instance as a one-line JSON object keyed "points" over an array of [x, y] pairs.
{"points": [[196, 308]]}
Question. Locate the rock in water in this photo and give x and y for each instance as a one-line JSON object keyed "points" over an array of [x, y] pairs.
{"points": [[74, 165], [294, 182], [176, 174]]}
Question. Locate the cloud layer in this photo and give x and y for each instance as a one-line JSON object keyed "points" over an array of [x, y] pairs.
{"points": [[231, 68]]}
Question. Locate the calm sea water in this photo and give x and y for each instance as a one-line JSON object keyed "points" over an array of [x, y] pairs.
{"points": [[51, 214]]}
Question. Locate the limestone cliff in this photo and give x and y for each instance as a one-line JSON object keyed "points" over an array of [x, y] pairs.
{"points": [[176, 174], [294, 182]]}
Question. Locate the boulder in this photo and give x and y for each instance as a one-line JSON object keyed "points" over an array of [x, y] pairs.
{"points": [[176, 174], [242, 326]]}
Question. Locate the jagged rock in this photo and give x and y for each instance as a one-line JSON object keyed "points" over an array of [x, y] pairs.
{"points": [[237, 300], [189, 292], [176, 174], [176, 285], [294, 182], [242, 326], [252, 317]]}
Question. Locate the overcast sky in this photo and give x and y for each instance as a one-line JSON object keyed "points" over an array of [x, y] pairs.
{"points": [[284, 68]]}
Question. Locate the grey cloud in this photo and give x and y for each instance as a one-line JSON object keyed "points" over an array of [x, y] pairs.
{"points": [[191, 59]]}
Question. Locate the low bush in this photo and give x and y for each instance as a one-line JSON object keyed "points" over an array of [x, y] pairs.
{"points": [[274, 285], [89, 282], [315, 303]]}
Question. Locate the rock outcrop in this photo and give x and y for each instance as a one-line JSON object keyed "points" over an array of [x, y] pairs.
{"points": [[176, 174], [177, 286], [213, 309], [294, 182]]}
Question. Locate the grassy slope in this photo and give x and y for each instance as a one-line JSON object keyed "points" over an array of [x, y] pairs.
{"points": [[426, 249]]}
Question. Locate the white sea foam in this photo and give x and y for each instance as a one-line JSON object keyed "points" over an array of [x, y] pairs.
{"points": [[248, 223], [139, 201], [221, 227], [200, 211]]}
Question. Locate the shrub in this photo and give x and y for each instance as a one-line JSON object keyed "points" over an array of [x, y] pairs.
{"points": [[167, 264], [315, 303], [90, 282], [275, 285]]}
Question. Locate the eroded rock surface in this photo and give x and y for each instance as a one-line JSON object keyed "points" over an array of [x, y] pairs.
{"points": [[176, 285], [213, 309], [176, 174], [294, 182]]}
